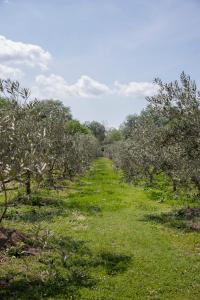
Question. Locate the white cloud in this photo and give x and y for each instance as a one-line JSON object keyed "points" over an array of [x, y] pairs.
{"points": [[88, 87], [13, 54], [136, 89], [55, 86], [24, 54], [8, 72]]}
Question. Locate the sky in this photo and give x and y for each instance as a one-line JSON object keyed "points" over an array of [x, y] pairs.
{"points": [[99, 57]]}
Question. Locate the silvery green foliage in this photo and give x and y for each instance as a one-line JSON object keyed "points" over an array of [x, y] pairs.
{"points": [[138, 155], [80, 150], [165, 137], [97, 129], [10, 167], [34, 141], [9, 113], [178, 103]]}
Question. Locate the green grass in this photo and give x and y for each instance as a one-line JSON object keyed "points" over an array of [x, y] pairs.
{"points": [[105, 240]]}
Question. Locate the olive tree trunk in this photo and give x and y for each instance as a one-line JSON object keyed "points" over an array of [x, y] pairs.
{"points": [[28, 182], [5, 201]]}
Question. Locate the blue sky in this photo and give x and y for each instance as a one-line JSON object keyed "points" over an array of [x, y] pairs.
{"points": [[98, 56]]}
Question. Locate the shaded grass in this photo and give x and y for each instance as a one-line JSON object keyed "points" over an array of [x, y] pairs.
{"points": [[187, 219], [113, 262], [59, 273], [34, 215]]}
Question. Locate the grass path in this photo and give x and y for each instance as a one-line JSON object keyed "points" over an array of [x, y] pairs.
{"points": [[135, 258], [164, 262]]}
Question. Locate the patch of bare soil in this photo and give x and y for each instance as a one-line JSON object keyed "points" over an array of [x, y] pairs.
{"points": [[12, 238]]}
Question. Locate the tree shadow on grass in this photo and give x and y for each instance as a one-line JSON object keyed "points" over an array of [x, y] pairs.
{"points": [[112, 262], [62, 273], [33, 214], [37, 209], [52, 205], [37, 201], [67, 287], [186, 219]]}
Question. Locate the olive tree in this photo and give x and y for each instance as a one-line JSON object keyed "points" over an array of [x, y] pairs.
{"points": [[98, 130], [178, 103], [165, 137], [10, 167]]}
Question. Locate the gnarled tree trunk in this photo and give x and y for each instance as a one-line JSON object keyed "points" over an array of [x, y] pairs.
{"points": [[5, 201]]}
